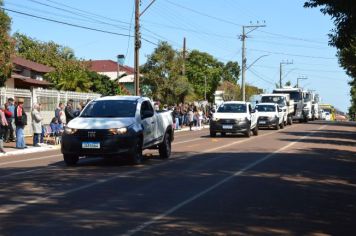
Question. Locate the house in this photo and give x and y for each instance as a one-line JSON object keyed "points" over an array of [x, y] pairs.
{"points": [[27, 74], [114, 71]]}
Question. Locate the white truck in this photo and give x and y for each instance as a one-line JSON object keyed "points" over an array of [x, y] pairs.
{"points": [[301, 108], [234, 117], [117, 126], [284, 102], [270, 115]]}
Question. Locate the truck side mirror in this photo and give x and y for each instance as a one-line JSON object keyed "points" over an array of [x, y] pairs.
{"points": [[279, 110], [288, 103]]}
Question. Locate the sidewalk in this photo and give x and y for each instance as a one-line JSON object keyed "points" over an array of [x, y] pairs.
{"points": [[10, 148]]}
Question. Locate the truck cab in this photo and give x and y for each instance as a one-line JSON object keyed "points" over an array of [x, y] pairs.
{"points": [[234, 117]]}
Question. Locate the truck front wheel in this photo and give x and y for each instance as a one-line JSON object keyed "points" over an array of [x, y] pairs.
{"points": [[136, 153], [70, 160], [165, 147], [255, 130]]}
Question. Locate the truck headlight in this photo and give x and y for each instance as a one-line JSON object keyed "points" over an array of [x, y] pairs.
{"points": [[215, 119], [118, 131], [68, 130], [271, 118]]}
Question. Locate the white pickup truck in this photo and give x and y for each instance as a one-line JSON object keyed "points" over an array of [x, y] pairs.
{"points": [[284, 102], [234, 117], [117, 126], [270, 115]]}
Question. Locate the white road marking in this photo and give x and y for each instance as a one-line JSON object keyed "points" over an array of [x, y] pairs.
{"points": [[218, 184], [29, 159], [7, 209]]}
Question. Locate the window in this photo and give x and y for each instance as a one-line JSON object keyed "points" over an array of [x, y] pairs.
{"points": [[146, 109], [110, 108], [265, 108], [232, 108]]}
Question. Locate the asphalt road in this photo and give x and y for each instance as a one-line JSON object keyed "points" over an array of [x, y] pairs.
{"points": [[297, 181]]}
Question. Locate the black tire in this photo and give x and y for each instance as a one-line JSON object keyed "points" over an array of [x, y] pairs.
{"points": [[165, 148], [135, 155], [255, 130], [70, 160], [277, 125], [248, 132], [212, 134], [282, 125]]}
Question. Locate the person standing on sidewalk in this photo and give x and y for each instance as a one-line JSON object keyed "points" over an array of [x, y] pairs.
{"points": [[20, 122], [69, 111], [8, 116], [36, 124], [3, 128], [11, 133]]}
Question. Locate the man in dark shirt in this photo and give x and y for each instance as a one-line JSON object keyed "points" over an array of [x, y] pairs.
{"points": [[69, 111]]}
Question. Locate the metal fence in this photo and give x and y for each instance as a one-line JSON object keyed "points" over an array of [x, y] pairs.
{"points": [[49, 100]]}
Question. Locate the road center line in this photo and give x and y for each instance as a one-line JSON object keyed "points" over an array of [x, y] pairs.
{"points": [[7, 209], [218, 184]]}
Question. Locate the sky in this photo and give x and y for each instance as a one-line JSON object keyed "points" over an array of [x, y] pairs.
{"points": [[291, 34]]}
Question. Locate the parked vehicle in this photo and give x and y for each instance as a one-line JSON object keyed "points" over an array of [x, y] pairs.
{"points": [[315, 106], [270, 115], [234, 117], [284, 102], [118, 125], [327, 116], [301, 106]]}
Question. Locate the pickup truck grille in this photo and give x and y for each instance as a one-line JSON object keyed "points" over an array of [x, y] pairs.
{"points": [[263, 118], [93, 134], [227, 121]]}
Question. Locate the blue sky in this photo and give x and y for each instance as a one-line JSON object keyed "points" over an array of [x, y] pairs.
{"points": [[292, 33]]}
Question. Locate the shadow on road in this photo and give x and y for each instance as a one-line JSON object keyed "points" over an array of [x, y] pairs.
{"points": [[312, 192]]}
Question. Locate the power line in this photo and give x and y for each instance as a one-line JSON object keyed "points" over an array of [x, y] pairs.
{"points": [[295, 55], [256, 74], [203, 14], [74, 25], [292, 37]]}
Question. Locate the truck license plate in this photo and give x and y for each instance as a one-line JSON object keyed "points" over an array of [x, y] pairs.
{"points": [[262, 122], [91, 145], [227, 126]]}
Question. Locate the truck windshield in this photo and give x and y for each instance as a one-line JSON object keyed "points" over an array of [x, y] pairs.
{"points": [[232, 108], [265, 108], [294, 95], [110, 108], [274, 99]]}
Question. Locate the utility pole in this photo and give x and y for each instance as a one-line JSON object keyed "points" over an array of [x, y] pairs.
{"points": [[281, 71], [138, 43], [243, 64], [137, 48], [184, 56]]}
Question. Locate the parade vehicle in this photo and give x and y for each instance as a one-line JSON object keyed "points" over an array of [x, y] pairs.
{"points": [[234, 117], [302, 105], [270, 115], [284, 102], [117, 126]]}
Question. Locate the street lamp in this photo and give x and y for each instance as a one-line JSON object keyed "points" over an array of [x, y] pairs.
{"points": [[299, 79]]}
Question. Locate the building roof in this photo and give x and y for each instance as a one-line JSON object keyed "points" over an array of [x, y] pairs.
{"points": [[31, 65], [30, 81], [108, 66]]}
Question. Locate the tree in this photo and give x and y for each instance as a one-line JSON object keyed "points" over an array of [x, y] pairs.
{"points": [[231, 72], [70, 73], [343, 37], [252, 90], [202, 66], [103, 85], [6, 47], [162, 78]]}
